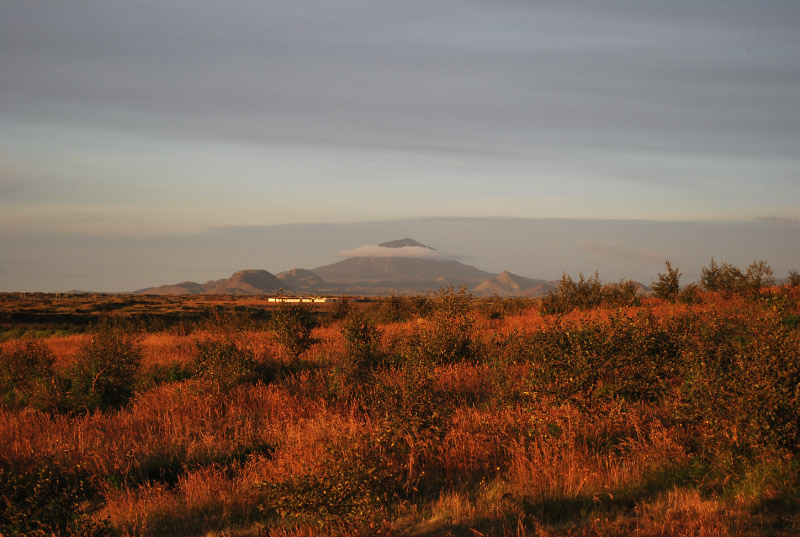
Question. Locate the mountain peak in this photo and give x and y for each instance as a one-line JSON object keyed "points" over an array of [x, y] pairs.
{"points": [[402, 243]]}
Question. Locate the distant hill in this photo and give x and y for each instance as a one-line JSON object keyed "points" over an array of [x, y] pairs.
{"points": [[247, 282], [399, 269], [416, 268], [301, 280], [507, 283], [243, 282]]}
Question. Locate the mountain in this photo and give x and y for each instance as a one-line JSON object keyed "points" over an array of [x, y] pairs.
{"points": [[243, 282], [183, 288], [247, 282], [403, 265], [402, 243], [301, 280], [507, 283], [391, 270]]}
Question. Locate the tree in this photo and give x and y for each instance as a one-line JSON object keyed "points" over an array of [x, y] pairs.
{"points": [[758, 275], [794, 278], [668, 285], [724, 278]]}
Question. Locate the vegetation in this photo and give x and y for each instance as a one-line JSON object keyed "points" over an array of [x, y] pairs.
{"points": [[594, 411], [292, 324], [668, 286], [589, 293]]}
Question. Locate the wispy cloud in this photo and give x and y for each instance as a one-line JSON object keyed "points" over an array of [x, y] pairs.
{"points": [[625, 252], [782, 220], [372, 250]]}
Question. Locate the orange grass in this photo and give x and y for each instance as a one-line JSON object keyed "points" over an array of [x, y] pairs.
{"points": [[501, 467]]}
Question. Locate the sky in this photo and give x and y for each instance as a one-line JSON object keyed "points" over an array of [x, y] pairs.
{"points": [[151, 121]]}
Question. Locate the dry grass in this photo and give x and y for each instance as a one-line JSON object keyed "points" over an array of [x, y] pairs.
{"points": [[185, 459]]}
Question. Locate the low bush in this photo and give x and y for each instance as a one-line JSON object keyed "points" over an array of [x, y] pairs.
{"points": [[43, 499], [635, 359], [292, 324], [104, 375], [447, 335], [362, 340], [224, 362], [589, 293], [356, 482], [26, 375], [742, 385]]}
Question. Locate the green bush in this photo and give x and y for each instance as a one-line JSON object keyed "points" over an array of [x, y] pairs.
{"points": [[44, 499], [362, 340], [104, 375], [668, 285], [447, 335], [26, 375], [729, 279], [793, 279], [292, 324], [635, 359], [589, 293], [355, 483], [223, 362], [742, 384]]}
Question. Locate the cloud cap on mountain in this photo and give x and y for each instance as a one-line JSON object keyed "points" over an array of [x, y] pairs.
{"points": [[373, 250]]}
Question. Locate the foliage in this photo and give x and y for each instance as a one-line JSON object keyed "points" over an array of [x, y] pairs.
{"points": [[44, 499], [691, 294], [356, 482], [634, 359], [224, 362], [742, 384], [668, 285], [292, 324], [664, 418], [447, 335], [362, 342], [589, 293], [793, 280], [26, 375], [105, 372], [729, 279]]}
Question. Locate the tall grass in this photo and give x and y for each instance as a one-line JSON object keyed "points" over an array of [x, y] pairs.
{"points": [[658, 418]]}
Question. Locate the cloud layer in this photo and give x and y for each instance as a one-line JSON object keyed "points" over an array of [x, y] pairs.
{"points": [[373, 250]]}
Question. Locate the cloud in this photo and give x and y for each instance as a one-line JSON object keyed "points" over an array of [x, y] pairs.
{"points": [[624, 251], [782, 220], [372, 250]]}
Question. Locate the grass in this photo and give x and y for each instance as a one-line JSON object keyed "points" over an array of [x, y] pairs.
{"points": [[401, 427]]}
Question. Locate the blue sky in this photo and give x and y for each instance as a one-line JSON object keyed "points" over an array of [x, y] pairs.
{"points": [[156, 118]]}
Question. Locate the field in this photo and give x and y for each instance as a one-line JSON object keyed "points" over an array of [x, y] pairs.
{"points": [[419, 416]]}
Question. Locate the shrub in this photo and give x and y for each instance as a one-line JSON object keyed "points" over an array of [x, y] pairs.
{"points": [[729, 279], [104, 375], [589, 293], [726, 278], [393, 309], [362, 342], [26, 375], [292, 324], [223, 362], [44, 499], [356, 482], [757, 276], [742, 384], [447, 335], [668, 285], [635, 359], [691, 294]]}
